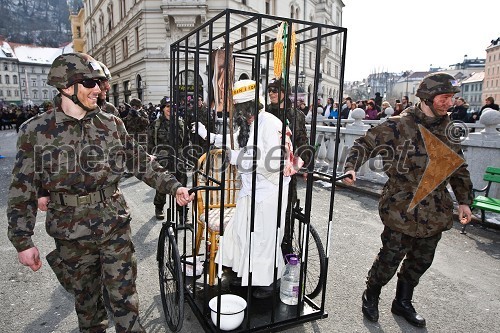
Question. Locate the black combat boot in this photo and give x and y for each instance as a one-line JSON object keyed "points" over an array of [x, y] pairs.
{"points": [[370, 302], [160, 215], [402, 306]]}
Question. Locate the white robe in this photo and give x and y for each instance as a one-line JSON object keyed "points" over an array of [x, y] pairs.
{"points": [[234, 246]]}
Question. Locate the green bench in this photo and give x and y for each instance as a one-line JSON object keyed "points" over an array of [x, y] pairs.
{"points": [[484, 202]]}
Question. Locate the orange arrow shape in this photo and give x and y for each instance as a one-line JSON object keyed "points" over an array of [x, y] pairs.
{"points": [[443, 162]]}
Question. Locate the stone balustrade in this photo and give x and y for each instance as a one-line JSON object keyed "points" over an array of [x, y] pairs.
{"points": [[481, 147]]}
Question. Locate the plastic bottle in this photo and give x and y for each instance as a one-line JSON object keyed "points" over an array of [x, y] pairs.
{"points": [[289, 289]]}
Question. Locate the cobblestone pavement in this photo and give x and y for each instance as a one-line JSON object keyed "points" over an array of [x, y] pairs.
{"points": [[459, 293]]}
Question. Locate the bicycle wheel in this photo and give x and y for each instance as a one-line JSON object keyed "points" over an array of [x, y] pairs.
{"points": [[316, 261], [170, 274]]}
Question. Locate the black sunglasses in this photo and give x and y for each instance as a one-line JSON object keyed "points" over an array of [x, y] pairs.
{"points": [[90, 83], [272, 90]]}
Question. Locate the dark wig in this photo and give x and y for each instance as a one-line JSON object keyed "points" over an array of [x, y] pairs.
{"points": [[242, 113]]}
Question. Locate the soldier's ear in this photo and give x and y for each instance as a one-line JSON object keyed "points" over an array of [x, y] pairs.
{"points": [[69, 90]]}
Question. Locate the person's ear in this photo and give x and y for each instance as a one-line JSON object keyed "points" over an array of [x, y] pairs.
{"points": [[69, 90]]}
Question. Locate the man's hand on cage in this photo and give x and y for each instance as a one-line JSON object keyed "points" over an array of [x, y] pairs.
{"points": [[350, 180], [183, 197]]}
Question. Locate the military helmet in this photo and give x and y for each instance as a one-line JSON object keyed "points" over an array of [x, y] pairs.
{"points": [[136, 103], [106, 70], [70, 68], [436, 84]]}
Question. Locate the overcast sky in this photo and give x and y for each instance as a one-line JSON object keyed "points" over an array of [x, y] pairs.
{"points": [[399, 35]]}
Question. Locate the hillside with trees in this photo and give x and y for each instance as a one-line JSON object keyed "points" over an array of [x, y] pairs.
{"points": [[37, 22]]}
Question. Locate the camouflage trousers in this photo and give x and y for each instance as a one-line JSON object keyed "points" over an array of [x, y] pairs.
{"points": [[418, 254], [89, 268]]}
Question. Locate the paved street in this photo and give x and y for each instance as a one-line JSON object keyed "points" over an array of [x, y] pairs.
{"points": [[459, 293]]}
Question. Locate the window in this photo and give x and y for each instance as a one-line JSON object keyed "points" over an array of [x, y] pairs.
{"points": [[35, 94], [268, 6], [94, 35], [16, 93], [44, 83], [122, 9], [336, 71], [1, 92], [329, 67], [269, 45], [310, 60], [23, 83], [125, 48], [23, 70], [244, 33], [110, 16], [244, 2], [33, 70], [8, 93], [101, 26], [43, 70], [5, 66], [33, 82], [14, 79], [137, 39], [7, 79], [0, 79], [113, 55], [45, 94]]}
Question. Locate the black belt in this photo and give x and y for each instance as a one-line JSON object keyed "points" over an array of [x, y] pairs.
{"points": [[76, 200]]}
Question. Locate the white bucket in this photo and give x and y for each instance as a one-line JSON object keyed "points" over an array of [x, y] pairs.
{"points": [[232, 311]]}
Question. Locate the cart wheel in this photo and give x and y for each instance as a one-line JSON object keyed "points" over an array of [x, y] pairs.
{"points": [[316, 260], [170, 274]]}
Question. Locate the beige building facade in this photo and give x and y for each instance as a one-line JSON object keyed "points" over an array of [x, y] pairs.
{"points": [[491, 83], [133, 37]]}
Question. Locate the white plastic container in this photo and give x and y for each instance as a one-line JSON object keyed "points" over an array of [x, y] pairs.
{"points": [[232, 311], [289, 289]]}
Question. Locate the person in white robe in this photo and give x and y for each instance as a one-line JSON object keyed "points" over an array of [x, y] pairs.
{"points": [[240, 248]]}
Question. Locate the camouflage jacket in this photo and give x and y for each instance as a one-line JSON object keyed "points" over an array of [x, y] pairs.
{"points": [[137, 124], [404, 155], [160, 140], [58, 153], [297, 123], [109, 108]]}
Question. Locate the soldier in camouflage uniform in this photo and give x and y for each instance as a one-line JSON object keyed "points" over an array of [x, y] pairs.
{"points": [[296, 121], [163, 136], [77, 153], [137, 121], [105, 87], [411, 235]]}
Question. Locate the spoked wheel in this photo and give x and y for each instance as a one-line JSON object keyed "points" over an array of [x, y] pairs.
{"points": [[170, 274], [316, 259]]}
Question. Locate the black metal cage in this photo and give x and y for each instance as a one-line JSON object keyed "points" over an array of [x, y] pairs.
{"points": [[247, 40]]}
